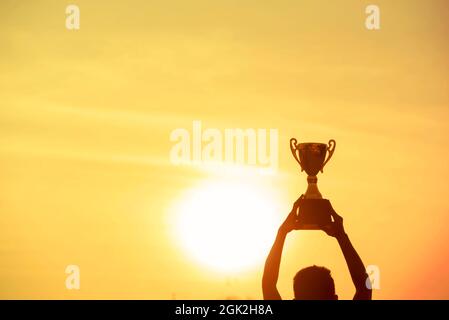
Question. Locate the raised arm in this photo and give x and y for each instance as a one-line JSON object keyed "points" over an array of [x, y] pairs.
{"points": [[353, 260], [272, 264]]}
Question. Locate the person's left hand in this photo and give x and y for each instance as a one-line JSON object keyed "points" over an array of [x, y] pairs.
{"points": [[291, 222]]}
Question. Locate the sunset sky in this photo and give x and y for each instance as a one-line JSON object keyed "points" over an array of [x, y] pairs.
{"points": [[85, 123]]}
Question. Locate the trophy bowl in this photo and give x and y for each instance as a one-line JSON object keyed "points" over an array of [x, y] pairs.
{"points": [[312, 157]]}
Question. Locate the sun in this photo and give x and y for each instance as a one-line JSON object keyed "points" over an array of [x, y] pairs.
{"points": [[227, 225]]}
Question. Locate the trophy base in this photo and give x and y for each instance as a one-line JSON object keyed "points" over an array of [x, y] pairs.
{"points": [[314, 214]]}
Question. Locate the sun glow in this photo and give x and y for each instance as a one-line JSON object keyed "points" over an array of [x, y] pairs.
{"points": [[227, 225]]}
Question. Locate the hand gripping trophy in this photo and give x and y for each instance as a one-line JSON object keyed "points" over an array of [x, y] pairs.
{"points": [[314, 211]]}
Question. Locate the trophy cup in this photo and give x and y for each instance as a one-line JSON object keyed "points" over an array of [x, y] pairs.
{"points": [[314, 211]]}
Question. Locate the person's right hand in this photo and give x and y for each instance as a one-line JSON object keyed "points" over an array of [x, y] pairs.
{"points": [[335, 229], [291, 222]]}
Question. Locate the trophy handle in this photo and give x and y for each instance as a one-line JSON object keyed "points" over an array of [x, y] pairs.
{"points": [[293, 143], [331, 149]]}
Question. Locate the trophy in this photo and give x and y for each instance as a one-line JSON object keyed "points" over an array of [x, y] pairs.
{"points": [[314, 211]]}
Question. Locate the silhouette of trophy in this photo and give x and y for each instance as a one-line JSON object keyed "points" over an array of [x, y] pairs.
{"points": [[314, 211]]}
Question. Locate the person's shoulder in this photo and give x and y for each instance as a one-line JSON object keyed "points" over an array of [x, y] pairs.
{"points": [[363, 295]]}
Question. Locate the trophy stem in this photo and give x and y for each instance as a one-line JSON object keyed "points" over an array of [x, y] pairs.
{"points": [[312, 191]]}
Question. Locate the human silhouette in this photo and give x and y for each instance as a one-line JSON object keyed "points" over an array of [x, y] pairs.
{"points": [[314, 283]]}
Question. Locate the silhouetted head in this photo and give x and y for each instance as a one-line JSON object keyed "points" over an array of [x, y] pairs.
{"points": [[314, 283]]}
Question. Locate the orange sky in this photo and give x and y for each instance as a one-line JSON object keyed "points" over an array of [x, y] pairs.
{"points": [[85, 120]]}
